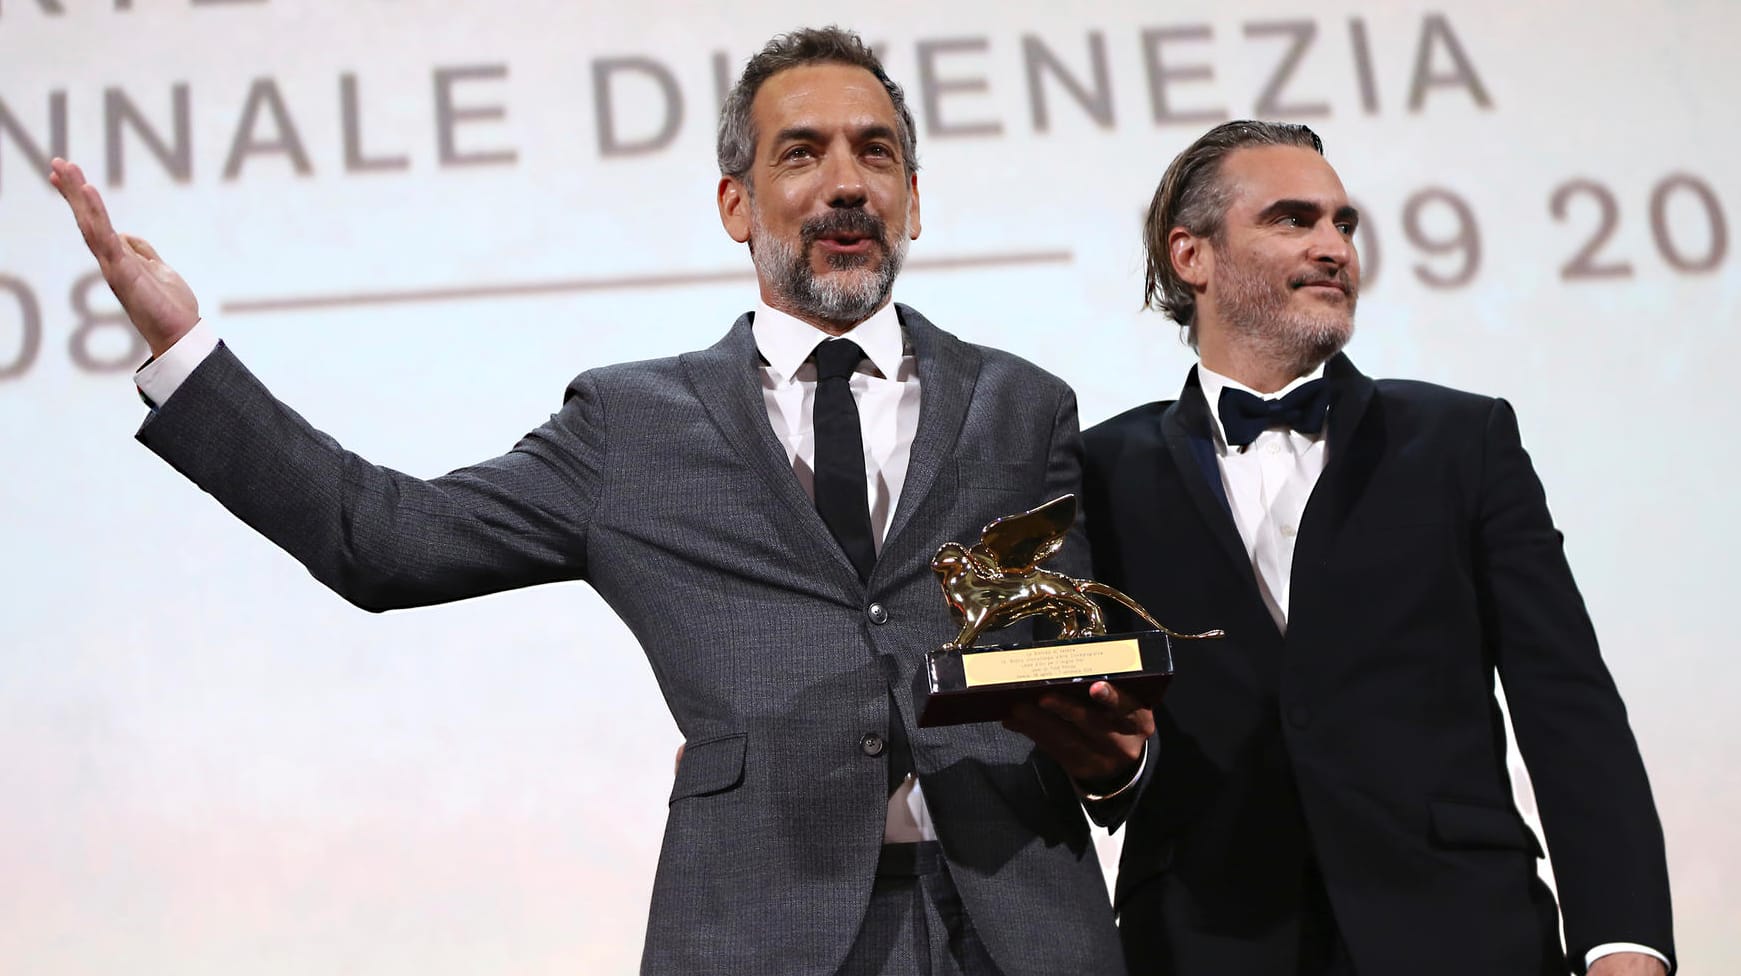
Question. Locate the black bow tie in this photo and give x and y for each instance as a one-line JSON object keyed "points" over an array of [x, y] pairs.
{"points": [[1244, 416]]}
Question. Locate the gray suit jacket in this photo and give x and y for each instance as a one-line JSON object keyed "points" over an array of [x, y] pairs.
{"points": [[662, 484]]}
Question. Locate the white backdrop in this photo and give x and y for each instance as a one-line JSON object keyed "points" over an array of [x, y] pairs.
{"points": [[417, 220]]}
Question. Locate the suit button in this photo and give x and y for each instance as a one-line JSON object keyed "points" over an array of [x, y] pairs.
{"points": [[878, 613], [1299, 716], [872, 744]]}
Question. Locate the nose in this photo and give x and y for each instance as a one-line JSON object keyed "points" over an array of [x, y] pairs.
{"points": [[845, 184], [1330, 247]]}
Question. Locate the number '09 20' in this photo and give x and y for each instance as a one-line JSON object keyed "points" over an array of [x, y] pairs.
{"points": [[1458, 251], [17, 359]]}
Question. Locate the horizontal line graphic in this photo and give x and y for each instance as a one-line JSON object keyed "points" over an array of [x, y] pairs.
{"points": [[524, 289]]}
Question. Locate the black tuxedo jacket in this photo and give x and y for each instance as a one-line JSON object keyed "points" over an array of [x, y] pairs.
{"points": [[1361, 756]]}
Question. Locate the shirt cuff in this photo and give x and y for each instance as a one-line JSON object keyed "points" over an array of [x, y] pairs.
{"points": [[1610, 948], [159, 378], [1135, 778]]}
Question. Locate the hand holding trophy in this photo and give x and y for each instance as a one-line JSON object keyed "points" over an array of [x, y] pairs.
{"points": [[999, 581]]}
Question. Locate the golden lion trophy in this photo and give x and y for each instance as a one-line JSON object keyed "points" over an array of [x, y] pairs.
{"points": [[996, 583]]}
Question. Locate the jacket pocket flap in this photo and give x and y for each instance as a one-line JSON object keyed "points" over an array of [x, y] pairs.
{"points": [[1456, 823], [709, 766]]}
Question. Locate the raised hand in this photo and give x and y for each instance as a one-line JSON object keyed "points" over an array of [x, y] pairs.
{"points": [[160, 305]]}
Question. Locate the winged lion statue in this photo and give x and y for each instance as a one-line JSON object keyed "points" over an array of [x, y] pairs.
{"points": [[998, 581]]}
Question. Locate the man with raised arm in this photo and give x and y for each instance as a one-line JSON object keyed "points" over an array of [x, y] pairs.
{"points": [[762, 514], [1331, 795]]}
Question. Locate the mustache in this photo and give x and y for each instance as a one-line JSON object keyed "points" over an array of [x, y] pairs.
{"points": [[856, 222], [1340, 279]]}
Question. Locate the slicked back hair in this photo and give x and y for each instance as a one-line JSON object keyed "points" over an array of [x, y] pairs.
{"points": [[1192, 195], [812, 45]]}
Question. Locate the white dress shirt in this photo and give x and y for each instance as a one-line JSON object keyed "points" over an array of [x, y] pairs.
{"points": [[1268, 483], [886, 390], [163, 375]]}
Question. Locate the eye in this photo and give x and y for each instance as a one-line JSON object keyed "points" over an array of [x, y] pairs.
{"points": [[1290, 220], [1347, 227], [797, 152]]}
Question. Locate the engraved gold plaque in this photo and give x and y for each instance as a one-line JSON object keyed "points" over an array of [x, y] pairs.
{"points": [[997, 582], [1047, 663]]}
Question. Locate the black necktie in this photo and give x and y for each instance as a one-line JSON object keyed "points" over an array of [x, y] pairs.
{"points": [[841, 496], [1244, 416]]}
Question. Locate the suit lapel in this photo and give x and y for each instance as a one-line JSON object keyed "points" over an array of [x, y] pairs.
{"points": [[1357, 440], [948, 369], [1185, 425], [723, 377]]}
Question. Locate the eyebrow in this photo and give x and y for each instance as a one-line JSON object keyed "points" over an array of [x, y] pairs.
{"points": [[805, 133], [798, 134], [1306, 208]]}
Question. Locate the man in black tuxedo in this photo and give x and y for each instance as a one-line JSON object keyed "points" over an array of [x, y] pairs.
{"points": [[1331, 793]]}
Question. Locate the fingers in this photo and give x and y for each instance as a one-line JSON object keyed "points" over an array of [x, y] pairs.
{"points": [[141, 247], [1091, 739], [1109, 710], [1085, 759], [155, 298], [88, 211], [1054, 736], [100, 234], [1121, 709]]}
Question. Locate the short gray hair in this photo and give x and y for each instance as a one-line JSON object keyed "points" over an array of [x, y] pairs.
{"points": [[811, 45], [1192, 195]]}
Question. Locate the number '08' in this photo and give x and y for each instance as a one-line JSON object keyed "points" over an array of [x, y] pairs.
{"points": [[19, 307]]}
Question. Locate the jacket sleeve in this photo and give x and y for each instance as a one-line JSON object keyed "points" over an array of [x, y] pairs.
{"points": [[380, 538], [1597, 812], [1064, 475]]}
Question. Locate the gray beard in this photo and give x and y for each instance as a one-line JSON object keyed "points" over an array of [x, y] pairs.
{"points": [[1296, 340], [847, 297]]}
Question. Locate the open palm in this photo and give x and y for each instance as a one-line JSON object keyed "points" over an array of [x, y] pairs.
{"points": [[158, 302]]}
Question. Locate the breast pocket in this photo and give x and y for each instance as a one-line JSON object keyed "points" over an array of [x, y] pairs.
{"points": [[710, 766]]}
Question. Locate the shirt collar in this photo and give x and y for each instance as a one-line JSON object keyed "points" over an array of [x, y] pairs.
{"points": [[786, 342], [1213, 383]]}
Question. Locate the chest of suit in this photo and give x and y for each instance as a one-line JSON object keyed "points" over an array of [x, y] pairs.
{"points": [[747, 608], [1385, 637], [778, 663]]}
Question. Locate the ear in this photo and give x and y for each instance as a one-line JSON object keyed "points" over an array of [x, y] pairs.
{"points": [[913, 208], [734, 208], [1193, 257]]}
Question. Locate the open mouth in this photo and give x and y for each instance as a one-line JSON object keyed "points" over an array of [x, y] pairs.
{"points": [[845, 235], [844, 242]]}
